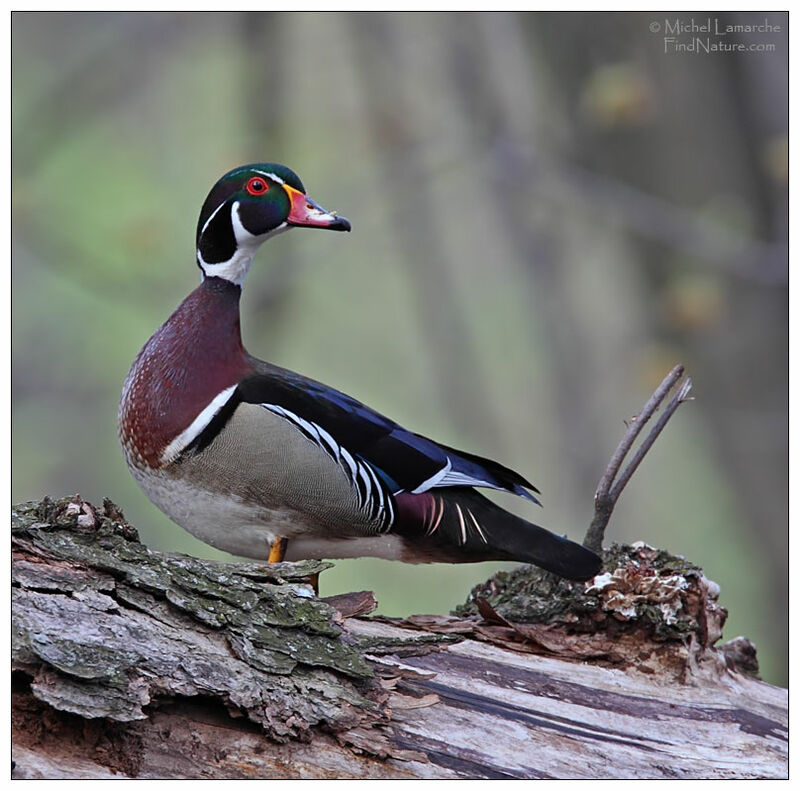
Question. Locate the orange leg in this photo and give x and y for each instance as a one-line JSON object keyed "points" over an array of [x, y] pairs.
{"points": [[277, 550]]}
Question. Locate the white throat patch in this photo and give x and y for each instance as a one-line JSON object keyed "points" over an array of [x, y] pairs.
{"points": [[235, 269]]}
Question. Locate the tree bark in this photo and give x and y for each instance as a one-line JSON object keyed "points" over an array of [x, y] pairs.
{"points": [[131, 663]]}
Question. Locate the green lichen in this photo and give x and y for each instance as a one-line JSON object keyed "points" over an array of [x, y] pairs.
{"points": [[530, 595], [105, 627], [533, 596], [77, 659], [277, 616], [617, 555]]}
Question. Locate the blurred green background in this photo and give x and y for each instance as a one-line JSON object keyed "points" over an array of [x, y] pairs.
{"points": [[549, 211]]}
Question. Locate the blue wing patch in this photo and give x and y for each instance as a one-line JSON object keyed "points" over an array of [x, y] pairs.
{"points": [[401, 459]]}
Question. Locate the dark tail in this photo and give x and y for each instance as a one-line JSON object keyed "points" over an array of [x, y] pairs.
{"points": [[463, 525]]}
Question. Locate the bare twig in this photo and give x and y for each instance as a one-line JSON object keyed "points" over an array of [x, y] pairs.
{"points": [[681, 396], [611, 486]]}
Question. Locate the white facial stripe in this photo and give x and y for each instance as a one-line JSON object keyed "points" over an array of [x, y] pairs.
{"points": [[270, 175], [213, 214], [188, 435], [243, 236], [235, 269]]}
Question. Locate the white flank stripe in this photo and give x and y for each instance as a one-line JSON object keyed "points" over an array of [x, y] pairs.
{"points": [[311, 428], [306, 425], [428, 521], [329, 441], [378, 491], [437, 512], [321, 437], [188, 435], [463, 526], [435, 479], [350, 463], [364, 475], [477, 526], [438, 519], [374, 497], [372, 475]]}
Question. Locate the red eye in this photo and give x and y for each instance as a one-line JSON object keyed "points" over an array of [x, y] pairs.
{"points": [[256, 186]]}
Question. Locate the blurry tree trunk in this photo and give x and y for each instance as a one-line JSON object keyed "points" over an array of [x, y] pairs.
{"points": [[393, 117], [699, 218]]}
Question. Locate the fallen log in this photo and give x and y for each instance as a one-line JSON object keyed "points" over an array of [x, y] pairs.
{"points": [[127, 662]]}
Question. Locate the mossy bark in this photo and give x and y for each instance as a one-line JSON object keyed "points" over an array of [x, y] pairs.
{"points": [[136, 663]]}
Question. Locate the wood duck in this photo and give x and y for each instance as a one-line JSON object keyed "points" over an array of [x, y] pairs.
{"points": [[265, 463]]}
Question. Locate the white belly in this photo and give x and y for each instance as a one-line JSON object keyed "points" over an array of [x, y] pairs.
{"points": [[228, 523], [225, 522]]}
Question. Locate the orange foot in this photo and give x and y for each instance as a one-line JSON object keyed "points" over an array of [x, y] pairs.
{"points": [[277, 550]]}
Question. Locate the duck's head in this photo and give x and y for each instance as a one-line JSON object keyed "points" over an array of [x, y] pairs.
{"points": [[246, 207]]}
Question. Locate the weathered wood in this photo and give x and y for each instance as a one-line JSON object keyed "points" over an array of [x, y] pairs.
{"points": [[132, 663]]}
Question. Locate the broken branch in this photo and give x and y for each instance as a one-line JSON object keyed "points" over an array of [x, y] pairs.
{"points": [[611, 486]]}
